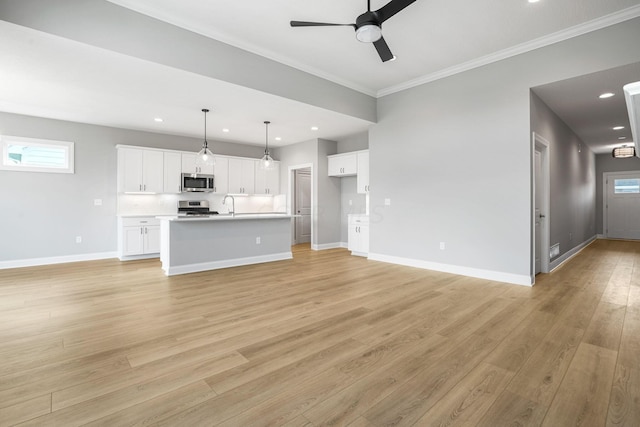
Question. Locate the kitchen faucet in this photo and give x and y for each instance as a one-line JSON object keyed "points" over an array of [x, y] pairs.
{"points": [[233, 203]]}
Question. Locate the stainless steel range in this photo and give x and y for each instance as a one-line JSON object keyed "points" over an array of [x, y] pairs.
{"points": [[194, 208]]}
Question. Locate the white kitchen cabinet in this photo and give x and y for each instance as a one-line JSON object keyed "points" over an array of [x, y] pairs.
{"points": [[221, 175], [140, 170], [343, 164], [172, 171], [268, 181], [358, 235], [363, 172], [189, 165], [139, 237], [242, 176]]}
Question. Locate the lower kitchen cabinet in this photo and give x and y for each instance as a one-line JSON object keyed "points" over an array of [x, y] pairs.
{"points": [[138, 237], [358, 235]]}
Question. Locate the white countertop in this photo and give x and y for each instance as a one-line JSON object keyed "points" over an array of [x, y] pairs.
{"points": [[225, 217]]}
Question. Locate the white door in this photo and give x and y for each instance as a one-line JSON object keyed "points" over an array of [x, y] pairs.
{"points": [[623, 205], [303, 205]]}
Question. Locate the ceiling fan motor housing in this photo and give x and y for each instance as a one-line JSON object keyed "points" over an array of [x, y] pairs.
{"points": [[368, 29]]}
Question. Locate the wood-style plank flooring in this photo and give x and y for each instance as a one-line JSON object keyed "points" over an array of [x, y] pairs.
{"points": [[323, 339]]}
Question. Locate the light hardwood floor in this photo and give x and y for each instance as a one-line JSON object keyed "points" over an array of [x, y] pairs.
{"points": [[323, 339]]}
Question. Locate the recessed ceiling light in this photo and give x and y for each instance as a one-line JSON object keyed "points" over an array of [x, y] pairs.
{"points": [[225, 130], [622, 137], [618, 128], [606, 95], [278, 138], [158, 120], [314, 128], [534, 1]]}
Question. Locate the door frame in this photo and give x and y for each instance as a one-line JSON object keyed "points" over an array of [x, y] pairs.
{"points": [[540, 145], [605, 196], [291, 197]]}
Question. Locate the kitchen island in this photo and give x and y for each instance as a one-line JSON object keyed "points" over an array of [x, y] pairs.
{"points": [[200, 243]]}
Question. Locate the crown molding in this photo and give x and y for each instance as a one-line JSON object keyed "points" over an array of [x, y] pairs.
{"points": [[575, 31]]}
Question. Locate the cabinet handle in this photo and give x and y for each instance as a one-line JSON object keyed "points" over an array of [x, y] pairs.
{"points": [[140, 187], [145, 230], [141, 231], [145, 187]]}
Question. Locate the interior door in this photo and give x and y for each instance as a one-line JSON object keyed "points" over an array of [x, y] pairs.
{"points": [[623, 206], [303, 205], [538, 214]]}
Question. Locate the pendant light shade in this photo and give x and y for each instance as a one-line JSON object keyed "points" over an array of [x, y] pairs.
{"points": [[623, 152], [267, 162], [205, 156]]}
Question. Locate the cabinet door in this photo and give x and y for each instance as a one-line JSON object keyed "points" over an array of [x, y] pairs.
{"points": [[352, 243], [363, 172], [267, 181], [132, 240], [273, 179], [189, 165], [129, 170], [343, 165], [241, 176], [151, 239], [221, 172], [152, 171], [363, 242], [172, 171]]}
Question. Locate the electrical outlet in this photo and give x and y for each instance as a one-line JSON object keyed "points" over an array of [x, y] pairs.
{"points": [[257, 240], [97, 202], [78, 239], [387, 202], [442, 246], [570, 236], [350, 202]]}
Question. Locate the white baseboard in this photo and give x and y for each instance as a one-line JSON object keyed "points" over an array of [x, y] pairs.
{"points": [[325, 246], [216, 265], [498, 276], [556, 263], [600, 236], [32, 262], [137, 257]]}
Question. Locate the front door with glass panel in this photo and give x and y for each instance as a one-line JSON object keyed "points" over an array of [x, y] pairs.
{"points": [[622, 204]]}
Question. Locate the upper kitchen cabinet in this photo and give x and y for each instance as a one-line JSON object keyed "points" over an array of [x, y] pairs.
{"points": [[343, 164], [363, 172], [268, 180], [189, 165], [172, 171], [242, 176], [140, 170], [221, 175]]}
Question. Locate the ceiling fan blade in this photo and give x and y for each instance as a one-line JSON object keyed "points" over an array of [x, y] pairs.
{"points": [[318, 24], [383, 50], [391, 8]]}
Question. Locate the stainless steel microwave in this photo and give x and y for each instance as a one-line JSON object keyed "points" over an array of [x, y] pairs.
{"points": [[197, 183]]}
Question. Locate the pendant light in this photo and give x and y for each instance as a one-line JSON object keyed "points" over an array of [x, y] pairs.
{"points": [[205, 156], [267, 162]]}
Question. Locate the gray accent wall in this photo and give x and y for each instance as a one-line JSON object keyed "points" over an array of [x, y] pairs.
{"points": [[326, 190], [606, 163], [42, 213], [572, 169], [454, 157]]}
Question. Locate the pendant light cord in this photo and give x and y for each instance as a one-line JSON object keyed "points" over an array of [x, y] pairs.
{"points": [[266, 143], [205, 111]]}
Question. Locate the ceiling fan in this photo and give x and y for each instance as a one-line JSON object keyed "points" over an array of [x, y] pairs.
{"points": [[368, 25]]}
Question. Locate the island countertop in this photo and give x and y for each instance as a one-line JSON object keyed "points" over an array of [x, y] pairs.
{"points": [[224, 217]]}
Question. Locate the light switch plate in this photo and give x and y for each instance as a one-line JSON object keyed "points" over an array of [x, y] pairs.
{"points": [[387, 202], [97, 202]]}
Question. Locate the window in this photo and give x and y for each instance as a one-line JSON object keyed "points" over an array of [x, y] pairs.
{"points": [[36, 155], [626, 186]]}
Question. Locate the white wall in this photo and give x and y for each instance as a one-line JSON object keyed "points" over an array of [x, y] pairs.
{"points": [[454, 158], [42, 213]]}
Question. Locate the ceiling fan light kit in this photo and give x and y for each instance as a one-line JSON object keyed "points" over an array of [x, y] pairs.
{"points": [[368, 26]]}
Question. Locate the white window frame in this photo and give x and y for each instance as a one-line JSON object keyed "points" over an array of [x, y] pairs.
{"points": [[6, 164]]}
